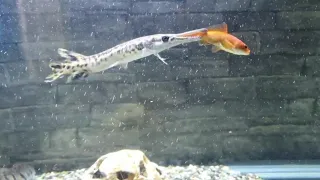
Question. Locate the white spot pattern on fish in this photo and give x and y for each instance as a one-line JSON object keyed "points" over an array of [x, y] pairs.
{"points": [[78, 66]]}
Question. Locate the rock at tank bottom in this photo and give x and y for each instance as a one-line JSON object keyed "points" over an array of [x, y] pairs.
{"points": [[129, 164], [124, 164]]}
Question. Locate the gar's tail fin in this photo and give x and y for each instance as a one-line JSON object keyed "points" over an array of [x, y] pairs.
{"points": [[70, 55], [59, 70]]}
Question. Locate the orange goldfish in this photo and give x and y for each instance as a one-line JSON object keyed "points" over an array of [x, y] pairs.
{"points": [[219, 37]]}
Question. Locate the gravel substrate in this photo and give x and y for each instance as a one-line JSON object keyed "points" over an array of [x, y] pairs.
{"points": [[191, 172]]}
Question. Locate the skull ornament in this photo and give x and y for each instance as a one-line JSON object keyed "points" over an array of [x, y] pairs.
{"points": [[125, 164]]}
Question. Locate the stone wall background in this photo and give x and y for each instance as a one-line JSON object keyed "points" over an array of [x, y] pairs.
{"points": [[202, 108]]}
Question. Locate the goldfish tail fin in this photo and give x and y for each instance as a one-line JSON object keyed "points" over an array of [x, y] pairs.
{"points": [[59, 70], [194, 33]]}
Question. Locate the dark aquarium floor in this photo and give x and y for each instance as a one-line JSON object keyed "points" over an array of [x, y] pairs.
{"points": [[281, 170]]}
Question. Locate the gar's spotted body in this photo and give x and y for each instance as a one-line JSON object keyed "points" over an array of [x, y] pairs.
{"points": [[18, 172], [77, 65]]}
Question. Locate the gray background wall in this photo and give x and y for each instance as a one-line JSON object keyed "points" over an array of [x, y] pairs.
{"points": [[201, 108]]}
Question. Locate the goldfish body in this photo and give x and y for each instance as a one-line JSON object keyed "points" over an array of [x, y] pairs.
{"points": [[80, 66], [219, 37]]}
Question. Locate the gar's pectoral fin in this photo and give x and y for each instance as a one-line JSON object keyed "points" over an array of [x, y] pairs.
{"points": [[161, 58], [124, 66]]}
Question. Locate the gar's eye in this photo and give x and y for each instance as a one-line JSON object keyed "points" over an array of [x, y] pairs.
{"points": [[165, 38]]}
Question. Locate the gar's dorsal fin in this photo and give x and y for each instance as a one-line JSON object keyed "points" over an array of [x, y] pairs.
{"points": [[223, 27]]}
